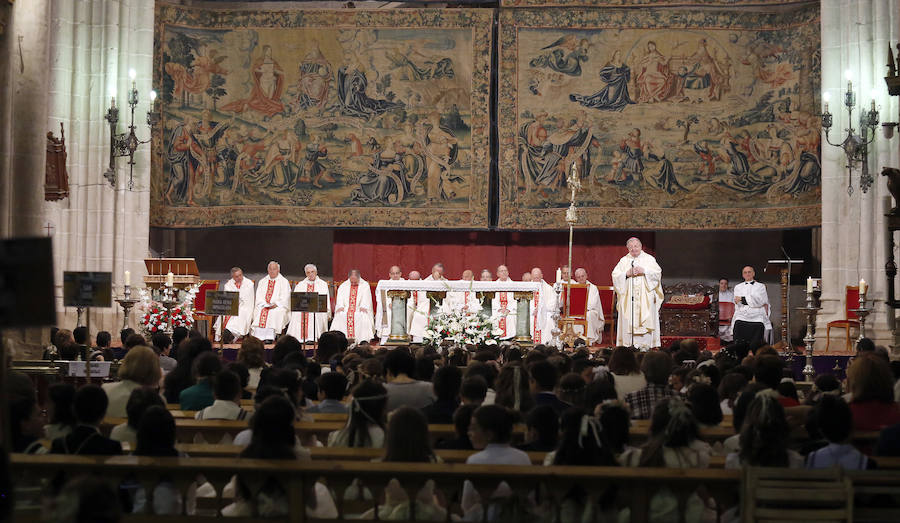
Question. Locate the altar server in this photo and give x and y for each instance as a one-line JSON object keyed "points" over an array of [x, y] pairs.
{"points": [[637, 274], [504, 308], [238, 325], [273, 304], [543, 304], [594, 308], [307, 326], [353, 309], [751, 309], [383, 312]]}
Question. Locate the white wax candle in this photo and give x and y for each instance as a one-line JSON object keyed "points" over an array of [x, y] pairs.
{"points": [[170, 279], [127, 277], [809, 284], [558, 274], [863, 286]]}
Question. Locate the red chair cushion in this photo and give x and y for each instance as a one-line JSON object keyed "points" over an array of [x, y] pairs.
{"points": [[578, 302]]}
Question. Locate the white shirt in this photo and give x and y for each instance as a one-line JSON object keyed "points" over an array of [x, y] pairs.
{"points": [[757, 308]]}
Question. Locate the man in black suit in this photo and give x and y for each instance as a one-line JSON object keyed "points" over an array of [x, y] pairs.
{"points": [[543, 381], [90, 406]]}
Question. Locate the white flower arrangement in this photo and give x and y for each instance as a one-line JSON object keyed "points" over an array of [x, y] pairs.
{"points": [[154, 317], [460, 328]]}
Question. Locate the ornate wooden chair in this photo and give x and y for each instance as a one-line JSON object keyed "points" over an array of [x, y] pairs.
{"points": [[576, 308], [850, 321], [608, 302], [200, 304]]}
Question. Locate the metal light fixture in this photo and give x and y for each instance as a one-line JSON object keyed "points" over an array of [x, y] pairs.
{"points": [[855, 146], [122, 144]]}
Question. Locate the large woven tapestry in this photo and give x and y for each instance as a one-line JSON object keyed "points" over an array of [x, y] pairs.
{"points": [[349, 118], [672, 119]]}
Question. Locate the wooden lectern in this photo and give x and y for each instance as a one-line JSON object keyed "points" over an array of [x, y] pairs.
{"points": [[784, 268], [184, 269]]}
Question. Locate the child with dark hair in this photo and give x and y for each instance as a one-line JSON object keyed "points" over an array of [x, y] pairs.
{"points": [[243, 374], [227, 403], [60, 415], [488, 371], [332, 387], [764, 436], [704, 402], [582, 443], [402, 388], [473, 391], [616, 422], [89, 406], [155, 437], [544, 379], [491, 431], [513, 389], [200, 395], [542, 430], [729, 388], [25, 422], [835, 421], [181, 377], [365, 424], [462, 418], [787, 389], [572, 390], [446, 387], [139, 401]]}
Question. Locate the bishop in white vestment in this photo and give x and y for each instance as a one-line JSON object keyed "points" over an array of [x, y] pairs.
{"points": [[273, 304], [353, 309], [307, 326], [542, 306], [595, 319], [638, 282], [383, 311], [504, 308], [238, 325]]}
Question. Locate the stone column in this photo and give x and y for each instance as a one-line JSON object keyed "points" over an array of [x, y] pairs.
{"points": [[523, 317], [855, 37], [398, 317], [486, 299]]}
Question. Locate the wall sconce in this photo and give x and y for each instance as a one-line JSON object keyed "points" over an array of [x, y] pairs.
{"points": [[122, 144], [855, 146]]}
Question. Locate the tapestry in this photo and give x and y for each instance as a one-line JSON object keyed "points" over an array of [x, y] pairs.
{"points": [[337, 118], [649, 3], [672, 119]]}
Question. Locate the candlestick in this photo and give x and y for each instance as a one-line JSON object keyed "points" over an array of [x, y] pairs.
{"points": [[863, 286], [170, 279], [809, 284], [127, 278]]}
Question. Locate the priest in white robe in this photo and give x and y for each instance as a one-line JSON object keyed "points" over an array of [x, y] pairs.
{"points": [[417, 308], [307, 326], [638, 282], [353, 309], [751, 309], [238, 325], [543, 304], [273, 304], [383, 311], [464, 301], [504, 308], [595, 319]]}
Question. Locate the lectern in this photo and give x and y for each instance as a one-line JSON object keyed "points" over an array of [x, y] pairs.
{"points": [[784, 268], [184, 270]]}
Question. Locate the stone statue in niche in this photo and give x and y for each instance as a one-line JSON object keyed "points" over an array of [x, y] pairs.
{"points": [[56, 178]]}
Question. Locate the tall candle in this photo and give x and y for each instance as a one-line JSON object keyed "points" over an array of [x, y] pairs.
{"points": [[809, 284], [558, 274], [113, 102], [170, 279], [127, 277], [863, 286]]}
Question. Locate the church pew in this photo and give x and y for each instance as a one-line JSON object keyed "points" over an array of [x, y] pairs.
{"points": [[634, 486]]}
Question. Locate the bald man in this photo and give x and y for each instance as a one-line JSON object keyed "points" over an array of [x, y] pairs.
{"points": [[503, 308], [464, 301], [273, 304], [595, 318], [638, 282], [542, 306], [751, 309], [353, 309], [383, 306]]}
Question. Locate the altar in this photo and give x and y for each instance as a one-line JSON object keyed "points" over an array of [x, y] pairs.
{"points": [[436, 290]]}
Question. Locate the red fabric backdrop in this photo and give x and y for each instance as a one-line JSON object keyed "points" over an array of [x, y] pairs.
{"points": [[373, 252]]}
